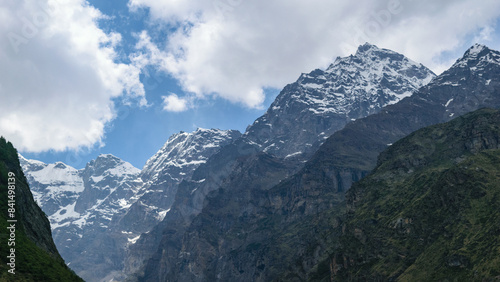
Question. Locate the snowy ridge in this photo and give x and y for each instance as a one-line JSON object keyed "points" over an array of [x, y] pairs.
{"points": [[479, 61], [60, 189], [321, 102], [374, 75], [174, 162], [108, 186], [477, 57], [185, 151]]}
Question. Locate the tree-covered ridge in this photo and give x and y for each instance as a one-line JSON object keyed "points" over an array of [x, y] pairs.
{"points": [[429, 211], [36, 258]]}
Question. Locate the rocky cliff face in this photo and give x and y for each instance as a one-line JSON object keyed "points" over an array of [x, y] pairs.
{"points": [[173, 163], [278, 143], [35, 257], [245, 233]]}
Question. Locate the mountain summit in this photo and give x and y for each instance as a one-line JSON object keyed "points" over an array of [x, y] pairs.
{"points": [[321, 102], [477, 57]]}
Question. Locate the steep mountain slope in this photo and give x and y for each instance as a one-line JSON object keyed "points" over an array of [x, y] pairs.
{"points": [[110, 187], [278, 143], [429, 211], [102, 209], [162, 173], [323, 101], [245, 233], [35, 257]]}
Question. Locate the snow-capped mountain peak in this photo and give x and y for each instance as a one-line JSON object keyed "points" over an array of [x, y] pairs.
{"points": [[31, 165], [184, 151], [476, 49], [365, 48], [350, 88], [108, 201], [477, 57]]}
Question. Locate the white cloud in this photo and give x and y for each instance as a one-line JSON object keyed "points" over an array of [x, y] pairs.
{"points": [[173, 103], [58, 75], [234, 48]]}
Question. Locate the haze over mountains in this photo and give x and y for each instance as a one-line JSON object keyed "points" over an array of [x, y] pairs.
{"points": [[267, 204]]}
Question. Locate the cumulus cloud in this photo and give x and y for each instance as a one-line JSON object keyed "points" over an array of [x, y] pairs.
{"points": [[172, 103], [59, 74], [235, 48]]}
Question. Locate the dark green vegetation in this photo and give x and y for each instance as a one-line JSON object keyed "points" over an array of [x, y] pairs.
{"points": [[36, 256], [428, 212]]}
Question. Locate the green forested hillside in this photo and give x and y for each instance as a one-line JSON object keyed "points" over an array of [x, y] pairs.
{"points": [[36, 257], [430, 211]]}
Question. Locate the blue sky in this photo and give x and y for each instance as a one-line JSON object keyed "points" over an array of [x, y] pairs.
{"points": [[82, 78]]}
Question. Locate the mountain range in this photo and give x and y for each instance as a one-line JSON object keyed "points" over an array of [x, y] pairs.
{"points": [[268, 204], [246, 230], [96, 212]]}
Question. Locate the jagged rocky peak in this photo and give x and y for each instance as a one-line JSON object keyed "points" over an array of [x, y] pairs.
{"points": [[104, 162], [60, 165], [477, 57], [376, 72], [323, 101], [104, 176], [479, 65], [185, 149]]}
